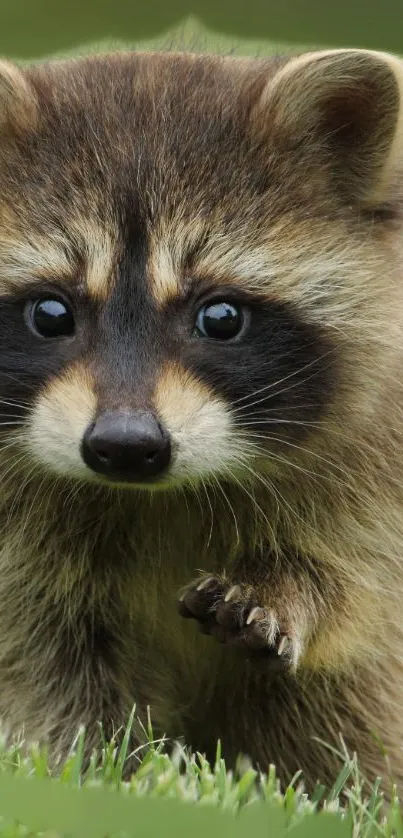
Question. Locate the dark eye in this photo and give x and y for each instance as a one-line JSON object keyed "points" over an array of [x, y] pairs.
{"points": [[220, 320], [51, 318]]}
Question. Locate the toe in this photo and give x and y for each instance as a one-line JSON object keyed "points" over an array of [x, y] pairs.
{"points": [[198, 602]]}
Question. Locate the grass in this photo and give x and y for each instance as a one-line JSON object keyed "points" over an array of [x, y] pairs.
{"points": [[178, 794]]}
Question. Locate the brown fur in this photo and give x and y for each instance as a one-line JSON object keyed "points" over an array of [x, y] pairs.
{"points": [[240, 184]]}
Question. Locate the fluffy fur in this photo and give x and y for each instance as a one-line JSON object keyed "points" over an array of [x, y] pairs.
{"points": [[137, 186]]}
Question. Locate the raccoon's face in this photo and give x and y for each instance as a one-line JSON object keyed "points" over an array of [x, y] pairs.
{"points": [[180, 241]]}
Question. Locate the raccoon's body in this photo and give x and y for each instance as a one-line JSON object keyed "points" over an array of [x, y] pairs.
{"points": [[201, 345]]}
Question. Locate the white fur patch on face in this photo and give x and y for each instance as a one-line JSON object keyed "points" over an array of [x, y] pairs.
{"points": [[200, 426], [203, 442], [58, 422]]}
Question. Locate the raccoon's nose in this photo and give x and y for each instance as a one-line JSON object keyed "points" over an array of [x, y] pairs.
{"points": [[126, 447]]}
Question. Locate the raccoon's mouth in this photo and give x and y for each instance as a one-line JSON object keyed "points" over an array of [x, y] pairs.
{"points": [[151, 485]]}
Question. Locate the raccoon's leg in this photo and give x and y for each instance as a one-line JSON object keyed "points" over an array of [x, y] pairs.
{"points": [[276, 697], [295, 722]]}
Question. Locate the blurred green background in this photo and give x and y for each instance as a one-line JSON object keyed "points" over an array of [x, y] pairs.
{"points": [[32, 28]]}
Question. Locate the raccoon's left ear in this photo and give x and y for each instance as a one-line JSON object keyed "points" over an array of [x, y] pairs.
{"points": [[341, 110], [18, 105]]}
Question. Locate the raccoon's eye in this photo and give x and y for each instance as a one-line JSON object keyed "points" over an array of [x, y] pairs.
{"points": [[220, 320], [50, 318]]}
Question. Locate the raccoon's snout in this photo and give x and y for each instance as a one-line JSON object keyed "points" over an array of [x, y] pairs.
{"points": [[126, 447]]}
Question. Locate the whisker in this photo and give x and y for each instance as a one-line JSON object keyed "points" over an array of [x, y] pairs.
{"points": [[13, 468], [182, 492], [27, 516], [308, 451], [265, 410], [359, 444], [333, 479], [211, 513], [254, 502], [244, 423], [20, 381], [274, 490], [74, 492], [270, 455], [14, 403], [229, 504], [9, 444], [276, 393], [196, 491], [274, 384]]}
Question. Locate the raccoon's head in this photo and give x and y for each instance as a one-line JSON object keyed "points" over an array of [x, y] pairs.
{"points": [[189, 247]]}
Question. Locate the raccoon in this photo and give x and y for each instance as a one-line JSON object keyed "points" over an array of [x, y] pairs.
{"points": [[201, 395]]}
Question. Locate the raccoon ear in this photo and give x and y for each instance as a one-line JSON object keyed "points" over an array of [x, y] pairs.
{"points": [[18, 105], [341, 109]]}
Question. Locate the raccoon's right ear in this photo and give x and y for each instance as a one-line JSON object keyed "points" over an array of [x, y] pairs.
{"points": [[18, 104], [340, 110]]}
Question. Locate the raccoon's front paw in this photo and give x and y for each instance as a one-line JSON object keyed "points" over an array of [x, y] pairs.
{"points": [[235, 616]]}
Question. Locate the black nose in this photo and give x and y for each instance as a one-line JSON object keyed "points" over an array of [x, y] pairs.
{"points": [[126, 447]]}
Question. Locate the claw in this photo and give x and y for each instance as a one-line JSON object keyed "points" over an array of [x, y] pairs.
{"points": [[233, 593], [205, 583], [282, 645], [257, 613]]}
